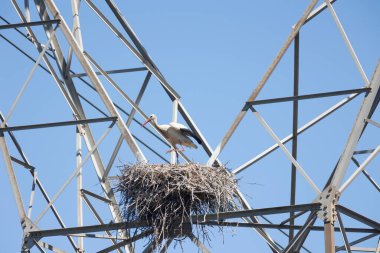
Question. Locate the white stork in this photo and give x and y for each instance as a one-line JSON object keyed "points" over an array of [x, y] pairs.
{"points": [[175, 133]]}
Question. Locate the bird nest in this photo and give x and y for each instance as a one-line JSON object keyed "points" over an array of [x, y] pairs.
{"points": [[164, 197]]}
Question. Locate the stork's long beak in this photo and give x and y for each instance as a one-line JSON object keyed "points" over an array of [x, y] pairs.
{"points": [[146, 122]]}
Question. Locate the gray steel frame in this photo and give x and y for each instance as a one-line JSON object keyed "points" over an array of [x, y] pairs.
{"points": [[65, 82]]}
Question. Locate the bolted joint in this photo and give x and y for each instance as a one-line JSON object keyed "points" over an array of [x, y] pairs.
{"points": [[328, 200], [28, 242]]}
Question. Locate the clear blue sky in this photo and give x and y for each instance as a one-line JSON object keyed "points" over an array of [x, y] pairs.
{"points": [[213, 53]]}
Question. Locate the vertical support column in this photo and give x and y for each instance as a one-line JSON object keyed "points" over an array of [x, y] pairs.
{"points": [[328, 199], [329, 237], [79, 186], [295, 133], [78, 37], [76, 29], [173, 154]]}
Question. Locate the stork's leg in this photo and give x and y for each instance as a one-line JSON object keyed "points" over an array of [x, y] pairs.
{"points": [[170, 150], [176, 150]]}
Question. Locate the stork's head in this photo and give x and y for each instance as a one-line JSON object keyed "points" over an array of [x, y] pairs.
{"points": [[151, 118]]}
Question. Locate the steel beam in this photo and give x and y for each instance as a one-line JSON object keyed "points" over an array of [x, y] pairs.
{"points": [[371, 180], [57, 124], [317, 10], [29, 24], [256, 212], [358, 217], [279, 226], [293, 217], [85, 229], [78, 158], [22, 163], [48, 247], [361, 152], [347, 42], [307, 224], [376, 124], [105, 200], [116, 71], [117, 226], [13, 181], [108, 237], [126, 242], [199, 244], [358, 170], [75, 4], [363, 249], [343, 232], [39, 246], [362, 239], [329, 237], [285, 150], [98, 218], [195, 219], [293, 175], [309, 96]]}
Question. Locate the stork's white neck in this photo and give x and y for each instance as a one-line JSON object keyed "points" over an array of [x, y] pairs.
{"points": [[154, 121]]}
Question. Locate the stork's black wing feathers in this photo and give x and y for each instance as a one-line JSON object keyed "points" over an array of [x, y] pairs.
{"points": [[189, 132]]}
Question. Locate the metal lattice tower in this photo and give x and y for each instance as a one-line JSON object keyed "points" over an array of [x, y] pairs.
{"points": [[96, 100]]}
